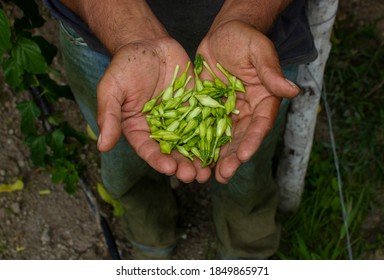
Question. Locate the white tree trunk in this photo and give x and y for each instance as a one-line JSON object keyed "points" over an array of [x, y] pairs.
{"points": [[301, 118]]}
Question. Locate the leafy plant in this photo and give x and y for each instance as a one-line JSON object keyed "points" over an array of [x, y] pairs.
{"points": [[26, 61], [354, 84]]}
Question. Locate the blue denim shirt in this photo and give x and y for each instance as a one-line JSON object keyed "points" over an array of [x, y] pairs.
{"points": [[188, 21]]}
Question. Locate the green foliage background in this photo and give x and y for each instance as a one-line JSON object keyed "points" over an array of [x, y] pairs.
{"points": [[26, 62]]}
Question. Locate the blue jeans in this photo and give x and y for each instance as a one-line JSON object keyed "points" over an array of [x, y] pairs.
{"points": [[243, 210]]}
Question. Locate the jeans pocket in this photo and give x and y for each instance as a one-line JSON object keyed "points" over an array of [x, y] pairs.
{"points": [[72, 35]]}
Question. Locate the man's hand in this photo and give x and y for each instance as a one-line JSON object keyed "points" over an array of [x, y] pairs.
{"points": [[139, 71], [251, 56]]}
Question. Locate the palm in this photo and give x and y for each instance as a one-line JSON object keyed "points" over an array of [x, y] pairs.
{"points": [[250, 56], [138, 73]]}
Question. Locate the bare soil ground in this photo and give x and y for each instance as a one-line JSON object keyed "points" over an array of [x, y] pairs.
{"points": [[59, 226]]}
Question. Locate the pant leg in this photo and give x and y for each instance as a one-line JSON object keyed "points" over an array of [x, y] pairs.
{"points": [[244, 210], [150, 207]]}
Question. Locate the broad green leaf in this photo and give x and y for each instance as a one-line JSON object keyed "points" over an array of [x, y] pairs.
{"points": [[27, 54], [13, 73], [71, 181], [71, 132], [29, 113], [57, 141], [48, 50], [52, 90], [58, 174], [5, 33], [38, 148], [67, 173]]}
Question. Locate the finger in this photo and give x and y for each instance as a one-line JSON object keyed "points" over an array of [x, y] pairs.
{"points": [[203, 173], [226, 167], [148, 150], [186, 171], [258, 128], [109, 117], [268, 68]]}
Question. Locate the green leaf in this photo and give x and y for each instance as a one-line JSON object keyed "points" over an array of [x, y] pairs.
{"points": [[38, 148], [56, 141], [5, 33], [71, 181], [66, 172], [48, 50], [29, 113], [13, 73], [71, 132], [58, 174], [52, 90], [27, 54]]}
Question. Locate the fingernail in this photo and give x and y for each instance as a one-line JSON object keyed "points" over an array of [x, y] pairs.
{"points": [[292, 83]]}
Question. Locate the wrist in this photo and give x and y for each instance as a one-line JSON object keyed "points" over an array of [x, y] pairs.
{"points": [[117, 23], [260, 14]]}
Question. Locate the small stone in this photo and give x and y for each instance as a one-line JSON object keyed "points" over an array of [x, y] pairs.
{"points": [[45, 238], [15, 207], [21, 163]]}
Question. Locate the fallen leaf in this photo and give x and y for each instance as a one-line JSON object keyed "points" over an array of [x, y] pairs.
{"points": [[17, 186]]}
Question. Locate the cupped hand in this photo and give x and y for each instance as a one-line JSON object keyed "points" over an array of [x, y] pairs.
{"points": [[249, 55], [138, 72]]}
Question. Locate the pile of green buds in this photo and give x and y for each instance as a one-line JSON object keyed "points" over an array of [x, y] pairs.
{"points": [[197, 121]]}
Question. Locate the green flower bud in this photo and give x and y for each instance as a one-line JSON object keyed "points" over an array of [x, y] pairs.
{"points": [[184, 152], [183, 109], [165, 135], [155, 122], [220, 128], [208, 84], [209, 134], [206, 112], [196, 152], [216, 154], [202, 130], [190, 126], [172, 103], [168, 93], [149, 105], [165, 147], [170, 114], [193, 114], [208, 101], [179, 83], [230, 104], [173, 126]]}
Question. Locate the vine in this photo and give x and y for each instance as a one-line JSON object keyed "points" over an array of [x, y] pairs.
{"points": [[26, 61]]}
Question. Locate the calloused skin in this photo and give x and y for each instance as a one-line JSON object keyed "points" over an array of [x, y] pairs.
{"points": [[142, 69]]}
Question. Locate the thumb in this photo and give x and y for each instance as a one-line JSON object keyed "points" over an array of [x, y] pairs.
{"points": [[269, 71], [109, 117]]}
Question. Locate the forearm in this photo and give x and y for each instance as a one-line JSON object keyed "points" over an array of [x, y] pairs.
{"points": [[259, 13], [117, 22]]}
